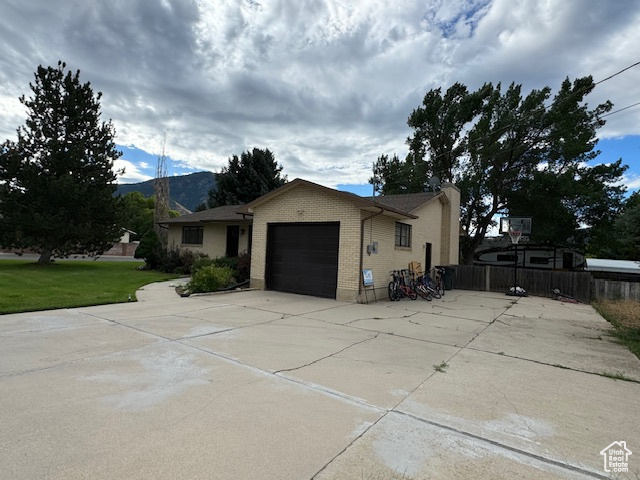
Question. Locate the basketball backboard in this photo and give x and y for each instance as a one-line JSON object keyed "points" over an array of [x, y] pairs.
{"points": [[517, 223]]}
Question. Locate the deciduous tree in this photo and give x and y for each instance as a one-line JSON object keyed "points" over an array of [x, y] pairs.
{"points": [[511, 153]]}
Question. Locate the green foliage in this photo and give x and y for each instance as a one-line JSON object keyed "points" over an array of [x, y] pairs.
{"points": [[511, 153], [57, 180], [627, 230], [150, 250], [246, 178], [230, 262], [203, 261], [243, 270], [138, 213], [211, 279]]}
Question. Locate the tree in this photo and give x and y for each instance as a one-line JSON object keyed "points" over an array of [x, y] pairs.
{"points": [[627, 230], [57, 179], [161, 192], [138, 213], [505, 149], [246, 178]]}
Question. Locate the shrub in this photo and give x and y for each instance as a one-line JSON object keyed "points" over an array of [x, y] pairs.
{"points": [[201, 262], [211, 279], [231, 262], [244, 267], [150, 250]]}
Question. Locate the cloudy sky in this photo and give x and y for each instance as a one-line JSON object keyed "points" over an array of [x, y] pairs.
{"points": [[327, 85]]}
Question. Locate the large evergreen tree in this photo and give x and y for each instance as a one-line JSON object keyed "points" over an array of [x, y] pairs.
{"points": [[246, 178], [57, 179]]}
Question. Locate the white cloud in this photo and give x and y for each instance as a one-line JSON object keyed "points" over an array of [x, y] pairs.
{"points": [[325, 84], [632, 181], [132, 174]]}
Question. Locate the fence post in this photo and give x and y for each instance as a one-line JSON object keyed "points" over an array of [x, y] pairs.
{"points": [[487, 278]]}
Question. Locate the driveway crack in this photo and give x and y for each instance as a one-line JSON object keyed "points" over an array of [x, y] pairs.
{"points": [[327, 356]]}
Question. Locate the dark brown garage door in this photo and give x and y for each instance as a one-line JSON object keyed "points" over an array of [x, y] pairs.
{"points": [[303, 258]]}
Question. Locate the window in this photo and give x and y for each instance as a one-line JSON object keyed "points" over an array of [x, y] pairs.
{"points": [[403, 235], [503, 257], [539, 260], [192, 235]]}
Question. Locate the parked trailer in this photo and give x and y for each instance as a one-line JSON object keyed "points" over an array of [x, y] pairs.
{"points": [[531, 256]]}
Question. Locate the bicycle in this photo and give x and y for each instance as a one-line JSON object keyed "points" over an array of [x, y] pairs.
{"points": [[429, 286], [563, 297], [419, 286], [439, 280], [399, 287]]}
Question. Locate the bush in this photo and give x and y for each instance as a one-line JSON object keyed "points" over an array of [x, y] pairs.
{"points": [[211, 279], [201, 262], [243, 268], [150, 250], [230, 262]]}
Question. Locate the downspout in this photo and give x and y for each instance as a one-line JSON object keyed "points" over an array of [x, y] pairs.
{"points": [[362, 245]]}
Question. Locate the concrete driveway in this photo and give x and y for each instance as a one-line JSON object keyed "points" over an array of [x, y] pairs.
{"points": [[264, 385]]}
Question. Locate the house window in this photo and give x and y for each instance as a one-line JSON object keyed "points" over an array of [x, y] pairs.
{"points": [[403, 235], [192, 235]]}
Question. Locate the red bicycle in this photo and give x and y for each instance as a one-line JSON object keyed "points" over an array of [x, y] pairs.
{"points": [[400, 286]]}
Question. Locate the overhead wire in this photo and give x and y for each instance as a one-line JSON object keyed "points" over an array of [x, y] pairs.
{"points": [[577, 92]]}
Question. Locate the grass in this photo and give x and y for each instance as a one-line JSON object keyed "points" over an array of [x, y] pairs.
{"points": [[26, 286], [617, 376], [441, 368], [624, 315]]}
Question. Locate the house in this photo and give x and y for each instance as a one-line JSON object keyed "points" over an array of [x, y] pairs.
{"points": [[217, 232], [309, 239]]}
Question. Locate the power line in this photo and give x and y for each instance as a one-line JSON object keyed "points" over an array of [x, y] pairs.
{"points": [[545, 108], [620, 110], [617, 73]]}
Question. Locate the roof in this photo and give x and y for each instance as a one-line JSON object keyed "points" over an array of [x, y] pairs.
{"points": [[614, 266], [225, 213], [360, 202], [406, 202]]}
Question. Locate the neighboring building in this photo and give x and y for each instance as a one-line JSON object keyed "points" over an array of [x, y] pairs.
{"points": [[126, 235], [308, 239], [627, 267], [217, 232]]}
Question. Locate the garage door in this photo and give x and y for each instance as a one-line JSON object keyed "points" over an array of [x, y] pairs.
{"points": [[303, 258]]}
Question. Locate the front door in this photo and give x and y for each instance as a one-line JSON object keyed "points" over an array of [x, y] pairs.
{"points": [[233, 237]]}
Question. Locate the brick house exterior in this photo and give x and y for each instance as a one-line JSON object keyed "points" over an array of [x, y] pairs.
{"points": [[433, 219], [420, 227]]}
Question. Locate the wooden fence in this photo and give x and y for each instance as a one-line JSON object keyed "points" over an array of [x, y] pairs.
{"points": [[614, 290], [535, 282]]}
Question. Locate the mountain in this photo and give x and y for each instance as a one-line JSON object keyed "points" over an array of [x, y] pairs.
{"points": [[188, 191]]}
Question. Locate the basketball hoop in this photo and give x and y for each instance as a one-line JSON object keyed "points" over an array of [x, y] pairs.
{"points": [[515, 235]]}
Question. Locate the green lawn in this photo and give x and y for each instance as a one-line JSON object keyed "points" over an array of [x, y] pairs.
{"points": [[25, 286]]}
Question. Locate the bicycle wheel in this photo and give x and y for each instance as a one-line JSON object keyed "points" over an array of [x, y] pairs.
{"points": [[412, 294], [393, 291], [441, 287], [434, 293], [422, 291]]}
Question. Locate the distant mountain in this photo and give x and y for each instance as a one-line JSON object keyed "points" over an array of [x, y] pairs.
{"points": [[188, 191]]}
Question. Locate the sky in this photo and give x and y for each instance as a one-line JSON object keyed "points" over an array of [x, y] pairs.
{"points": [[326, 85]]}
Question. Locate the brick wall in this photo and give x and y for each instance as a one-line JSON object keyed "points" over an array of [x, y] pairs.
{"points": [[308, 204], [381, 229], [451, 225]]}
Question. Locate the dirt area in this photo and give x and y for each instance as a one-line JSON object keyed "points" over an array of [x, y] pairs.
{"points": [[625, 312]]}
